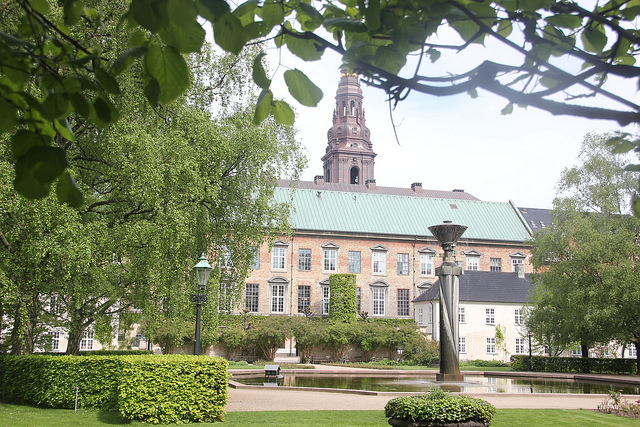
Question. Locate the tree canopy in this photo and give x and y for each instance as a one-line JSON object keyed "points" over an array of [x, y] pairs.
{"points": [[558, 55]]}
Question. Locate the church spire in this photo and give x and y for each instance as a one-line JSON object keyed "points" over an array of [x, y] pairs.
{"points": [[349, 157]]}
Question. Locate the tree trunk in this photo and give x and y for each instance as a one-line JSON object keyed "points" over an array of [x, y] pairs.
{"points": [[584, 348], [75, 336], [16, 332]]}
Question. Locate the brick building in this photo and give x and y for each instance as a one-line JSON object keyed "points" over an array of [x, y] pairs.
{"points": [[344, 223]]}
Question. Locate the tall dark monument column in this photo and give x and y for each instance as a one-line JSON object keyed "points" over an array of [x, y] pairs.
{"points": [[448, 273]]}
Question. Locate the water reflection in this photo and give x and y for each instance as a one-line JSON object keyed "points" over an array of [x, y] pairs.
{"points": [[473, 383]]}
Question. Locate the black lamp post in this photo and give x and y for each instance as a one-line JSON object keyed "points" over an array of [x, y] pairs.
{"points": [[202, 269], [529, 361]]}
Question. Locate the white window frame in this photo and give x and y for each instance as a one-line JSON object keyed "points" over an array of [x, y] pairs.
{"points": [[518, 316], [520, 346], [55, 340], [430, 314], [279, 258], [462, 315], [330, 260], [490, 316], [462, 345], [326, 298], [403, 265], [491, 345], [278, 295], [405, 302], [304, 298], [514, 262], [426, 264], [378, 301], [379, 262], [86, 343], [633, 351], [254, 297], [255, 263], [495, 264], [420, 316], [473, 263], [355, 264]]}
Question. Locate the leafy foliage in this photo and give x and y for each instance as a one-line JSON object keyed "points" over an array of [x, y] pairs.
{"points": [[343, 298], [54, 78], [585, 365], [440, 407]]}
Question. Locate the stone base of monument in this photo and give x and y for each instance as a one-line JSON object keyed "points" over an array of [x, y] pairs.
{"points": [[449, 378]]}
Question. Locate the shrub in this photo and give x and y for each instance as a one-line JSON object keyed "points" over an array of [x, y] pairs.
{"points": [[575, 365], [343, 298], [421, 351], [440, 407], [479, 363]]}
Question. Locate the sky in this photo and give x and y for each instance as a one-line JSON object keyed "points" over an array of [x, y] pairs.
{"points": [[451, 142]]}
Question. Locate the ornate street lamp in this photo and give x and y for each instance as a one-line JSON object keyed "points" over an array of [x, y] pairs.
{"points": [[448, 235], [202, 269]]}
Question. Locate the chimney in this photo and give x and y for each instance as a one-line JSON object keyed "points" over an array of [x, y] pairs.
{"points": [[520, 271], [371, 184], [319, 179], [416, 187], [458, 190]]}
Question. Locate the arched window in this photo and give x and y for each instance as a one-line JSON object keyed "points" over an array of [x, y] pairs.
{"points": [[353, 107], [355, 175], [328, 174], [344, 108]]}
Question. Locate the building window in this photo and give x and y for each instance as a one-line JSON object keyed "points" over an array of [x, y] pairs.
{"points": [[430, 315], [426, 264], [462, 344], [277, 298], [420, 316], [519, 316], [354, 261], [462, 315], [633, 352], [330, 259], [403, 302], [358, 300], [55, 340], [225, 296], [379, 262], [278, 257], [519, 345], [378, 301], [403, 264], [55, 305], [472, 263], [516, 261], [495, 264], [326, 296], [490, 316], [491, 345], [255, 263], [86, 343], [304, 259], [304, 297], [251, 297], [226, 259]]}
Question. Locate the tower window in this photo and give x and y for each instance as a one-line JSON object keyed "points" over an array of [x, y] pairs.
{"points": [[354, 178], [353, 107]]}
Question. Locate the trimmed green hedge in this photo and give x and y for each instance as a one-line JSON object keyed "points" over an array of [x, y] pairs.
{"points": [[100, 353], [440, 407], [343, 298], [583, 365], [157, 389]]}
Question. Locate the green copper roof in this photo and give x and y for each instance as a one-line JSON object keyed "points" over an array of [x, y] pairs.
{"points": [[342, 211]]}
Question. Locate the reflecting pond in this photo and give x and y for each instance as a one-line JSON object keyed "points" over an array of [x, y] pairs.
{"points": [[473, 383]]}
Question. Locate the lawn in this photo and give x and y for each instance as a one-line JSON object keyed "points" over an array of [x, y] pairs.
{"points": [[27, 416]]}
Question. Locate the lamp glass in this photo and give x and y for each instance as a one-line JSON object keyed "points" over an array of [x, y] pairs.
{"points": [[202, 269]]}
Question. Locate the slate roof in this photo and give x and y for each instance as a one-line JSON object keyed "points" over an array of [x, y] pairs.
{"points": [[396, 215], [486, 286], [536, 219], [393, 191]]}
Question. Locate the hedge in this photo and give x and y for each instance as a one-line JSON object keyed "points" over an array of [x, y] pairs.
{"points": [[157, 389], [343, 298], [440, 407], [583, 365], [99, 353]]}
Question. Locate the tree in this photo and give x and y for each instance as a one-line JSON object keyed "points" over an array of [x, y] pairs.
{"points": [[50, 76], [586, 262]]}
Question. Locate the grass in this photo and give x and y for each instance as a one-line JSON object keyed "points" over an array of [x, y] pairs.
{"points": [[27, 416]]}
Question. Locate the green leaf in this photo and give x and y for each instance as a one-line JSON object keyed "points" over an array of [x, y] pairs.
{"points": [[594, 39], [302, 89], [106, 80], [152, 92], [63, 127], [7, 117], [283, 113], [259, 75], [212, 9], [372, 15], [40, 6], [104, 111], [126, 59], [182, 13], [229, 33], [185, 38], [467, 30], [345, 24], [57, 105], [150, 14], [80, 104], [170, 69], [505, 27], [549, 82], [73, 11], [565, 21], [313, 18], [68, 192], [23, 140], [263, 106], [37, 169], [434, 54], [272, 12], [632, 168], [305, 49], [507, 110], [389, 59], [473, 93], [636, 207]]}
